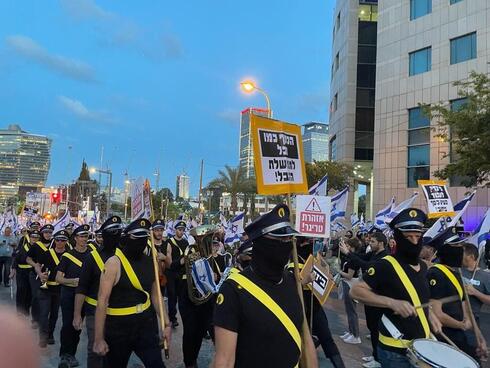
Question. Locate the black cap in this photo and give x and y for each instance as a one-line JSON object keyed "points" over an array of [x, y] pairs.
{"points": [[410, 219], [246, 247], [61, 235], [180, 223], [274, 223], [81, 230], [349, 232], [158, 224], [69, 225], [448, 236], [112, 224], [374, 229], [139, 228], [34, 225], [360, 233], [98, 232], [47, 228]]}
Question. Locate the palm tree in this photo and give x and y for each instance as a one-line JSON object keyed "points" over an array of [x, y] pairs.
{"points": [[231, 180]]}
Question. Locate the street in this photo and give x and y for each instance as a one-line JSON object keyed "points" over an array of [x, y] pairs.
{"points": [[337, 319]]}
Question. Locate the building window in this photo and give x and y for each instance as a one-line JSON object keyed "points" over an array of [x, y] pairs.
{"points": [[366, 54], [420, 61], [368, 13], [337, 22], [366, 75], [456, 180], [419, 8], [333, 104], [332, 148], [418, 165], [454, 1], [336, 62], [463, 48]]}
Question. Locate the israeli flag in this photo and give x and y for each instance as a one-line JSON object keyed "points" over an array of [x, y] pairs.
{"points": [[223, 222], [62, 222], [443, 223], [379, 219], [170, 228], [482, 232], [354, 220], [320, 188], [235, 229], [203, 276], [339, 205], [407, 203]]}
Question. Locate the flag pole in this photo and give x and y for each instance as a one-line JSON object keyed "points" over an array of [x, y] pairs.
{"points": [[304, 359]]}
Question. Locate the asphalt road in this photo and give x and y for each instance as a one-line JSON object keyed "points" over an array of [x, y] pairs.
{"points": [[337, 319]]}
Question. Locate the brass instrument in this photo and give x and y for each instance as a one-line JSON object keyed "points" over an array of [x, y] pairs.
{"points": [[202, 249], [45, 284]]}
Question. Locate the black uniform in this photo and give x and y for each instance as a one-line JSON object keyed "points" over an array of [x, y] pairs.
{"points": [[384, 280], [71, 265], [49, 297], [262, 340], [23, 294], [175, 274], [36, 252], [373, 314], [138, 330], [441, 287]]}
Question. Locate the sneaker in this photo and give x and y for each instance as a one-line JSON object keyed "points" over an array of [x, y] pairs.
{"points": [[345, 335], [368, 358], [73, 361], [372, 364], [64, 362], [352, 340], [368, 336]]}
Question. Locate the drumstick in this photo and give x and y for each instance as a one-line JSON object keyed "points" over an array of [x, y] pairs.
{"points": [[449, 341], [470, 310], [447, 299]]}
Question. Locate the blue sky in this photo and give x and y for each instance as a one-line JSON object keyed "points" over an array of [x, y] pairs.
{"points": [[157, 83]]}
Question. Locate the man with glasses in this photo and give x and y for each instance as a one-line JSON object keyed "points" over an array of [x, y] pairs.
{"points": [[49, 292], [68, 273]]}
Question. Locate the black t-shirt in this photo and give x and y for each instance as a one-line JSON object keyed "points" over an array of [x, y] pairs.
{"points": [[441, 287], [68, 267], [178, 250], [36, 252], [383, 279], [50, 263], [263, 340], [20, 254], [350, 264], [88, 284]]}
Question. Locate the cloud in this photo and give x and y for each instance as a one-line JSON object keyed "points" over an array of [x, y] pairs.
{"points": [[30, 50], [229, 115], [85, 9], [118, 31], [78, 109]]}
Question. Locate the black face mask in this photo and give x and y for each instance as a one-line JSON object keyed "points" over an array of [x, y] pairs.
{"points": [[451, 256], [407, 251], [270, 256], [110, 241], [305, 250], [133, 248]]}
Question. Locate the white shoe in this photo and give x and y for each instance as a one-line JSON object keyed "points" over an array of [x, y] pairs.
{"points": [[345, 335], [368, 336], [352, 340], [368, 358], [372, 364]]}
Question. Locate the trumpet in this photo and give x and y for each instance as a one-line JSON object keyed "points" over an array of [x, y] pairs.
{"points": [[45, 284]]}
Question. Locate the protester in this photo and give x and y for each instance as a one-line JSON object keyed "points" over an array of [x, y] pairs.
{"points": [[8, 242]]}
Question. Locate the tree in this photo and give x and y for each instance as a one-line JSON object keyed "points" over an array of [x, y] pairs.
{"points": [[161, 199], [231, 180], [339, 173], [467, 130]]}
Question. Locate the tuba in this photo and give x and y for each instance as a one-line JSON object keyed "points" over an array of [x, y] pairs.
{"points": [[202, 249]]}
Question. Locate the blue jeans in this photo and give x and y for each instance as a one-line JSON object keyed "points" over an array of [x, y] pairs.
{"points": [[389, 359]]}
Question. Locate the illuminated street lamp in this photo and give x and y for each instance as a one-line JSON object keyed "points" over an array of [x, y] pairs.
{"points": [[249, 86], [93, 170]]}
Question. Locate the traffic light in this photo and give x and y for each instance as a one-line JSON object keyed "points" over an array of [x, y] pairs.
{"points": [[56, 197]]}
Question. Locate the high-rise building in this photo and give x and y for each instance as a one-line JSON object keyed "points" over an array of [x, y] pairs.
{"points": [[352, 93], [24, 161], [424, 46], [182, 187], [246, 153], [315, 141]]}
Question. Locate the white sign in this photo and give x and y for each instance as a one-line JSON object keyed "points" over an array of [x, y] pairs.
{"points": [[313, 215], [439, 202], [137, 200]]}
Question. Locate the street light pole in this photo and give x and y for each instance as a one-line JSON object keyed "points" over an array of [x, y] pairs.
{"points": [[107, 172]]}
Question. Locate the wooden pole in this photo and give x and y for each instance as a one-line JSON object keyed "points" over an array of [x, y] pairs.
{"points": [[470, 310], [304, 360], [161, 307], [200, 188]]}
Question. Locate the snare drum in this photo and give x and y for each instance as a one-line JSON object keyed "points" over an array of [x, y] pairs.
{"points": [[426, 353]]}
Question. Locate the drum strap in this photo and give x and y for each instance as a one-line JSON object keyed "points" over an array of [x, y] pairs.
{"points": [[451, 278], [54, 256], [98, 260], [73, 259], [42, 246], [92, 246], [413, 296], [269, 303]]}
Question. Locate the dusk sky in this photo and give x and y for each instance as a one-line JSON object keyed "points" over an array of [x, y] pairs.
{"points": [[156, 83]]}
